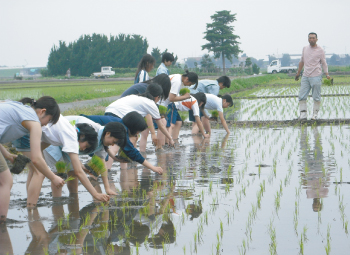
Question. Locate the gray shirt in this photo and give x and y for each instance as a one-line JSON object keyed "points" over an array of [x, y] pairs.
{"points": [[12, 114]]}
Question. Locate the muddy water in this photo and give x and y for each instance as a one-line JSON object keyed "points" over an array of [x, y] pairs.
{"points": [[257, 191]]}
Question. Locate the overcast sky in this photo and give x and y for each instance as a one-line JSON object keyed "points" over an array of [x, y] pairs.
{"points": [[29, 28]]}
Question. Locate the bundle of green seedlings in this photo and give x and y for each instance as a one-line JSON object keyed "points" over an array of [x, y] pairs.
{"points": [[328, 82], [20, 163], [95, 166], [163, 110], [215, 114], [184, 91], [123, 157], [62, 170]]}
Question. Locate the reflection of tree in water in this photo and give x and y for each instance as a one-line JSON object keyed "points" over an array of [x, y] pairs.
{"points": [[313, 175]]}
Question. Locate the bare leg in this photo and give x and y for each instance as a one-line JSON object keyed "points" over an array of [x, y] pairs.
{"points": [[5, 189], [161, 136], [40, 238], [114, 150], [176, 129], [206, 124], [34, 183], [195, 129], [143, 141], [73, 184]]}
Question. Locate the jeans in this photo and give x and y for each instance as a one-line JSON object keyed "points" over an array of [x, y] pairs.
{"points": [[308, 83]]}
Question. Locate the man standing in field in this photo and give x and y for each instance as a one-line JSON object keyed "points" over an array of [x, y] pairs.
{"points": [[312, 58]]}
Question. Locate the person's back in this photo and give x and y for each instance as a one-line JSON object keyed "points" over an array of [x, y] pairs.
{"points": [[12, 114], [135, 89], [206, 86]]}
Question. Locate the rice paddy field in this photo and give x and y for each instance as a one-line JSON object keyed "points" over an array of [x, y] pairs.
{"points": [[259, 190]]}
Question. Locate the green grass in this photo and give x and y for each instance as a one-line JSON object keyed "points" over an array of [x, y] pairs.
{"points": [[248, 83], [64, 92]]}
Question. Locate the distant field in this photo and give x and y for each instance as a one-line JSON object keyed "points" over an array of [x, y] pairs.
{"points": [[64, 92]]}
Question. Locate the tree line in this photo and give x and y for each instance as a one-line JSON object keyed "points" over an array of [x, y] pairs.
{"points": [[89, 53]]}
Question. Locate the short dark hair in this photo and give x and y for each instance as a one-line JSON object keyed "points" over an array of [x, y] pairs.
{"points": [[134, 122], [192, 77], [226, 82], [164, 81], [228, 99], [45, 102], [167, 57], [118, 131], [90, 135], [201, 97], [312, 33]]}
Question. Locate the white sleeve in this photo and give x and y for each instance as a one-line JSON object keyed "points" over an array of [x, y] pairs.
{"points": [[195, 109], [153, 110], [175, 86], [69, 137], [219, 105], [143, 77]]}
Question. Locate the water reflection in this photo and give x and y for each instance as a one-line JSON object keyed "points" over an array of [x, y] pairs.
{"points": [[315, 178]]}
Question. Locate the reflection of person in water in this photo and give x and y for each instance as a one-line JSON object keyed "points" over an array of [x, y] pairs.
{"points": [[5, 241], [313, 179], [40, 238]]}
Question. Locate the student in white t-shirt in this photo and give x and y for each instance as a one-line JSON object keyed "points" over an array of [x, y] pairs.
{"points": [[194, 103], [66, 143], [177, 80], [144, 104], [217, 103], [143, 68]]}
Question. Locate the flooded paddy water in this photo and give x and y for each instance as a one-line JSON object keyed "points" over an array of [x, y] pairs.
{"points": [[267, 190]]}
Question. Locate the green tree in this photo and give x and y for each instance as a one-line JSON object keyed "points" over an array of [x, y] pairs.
{"points": [[207, 63], [222, 41], [157, 55], [285, 60], [248, 62], [256, 69]]}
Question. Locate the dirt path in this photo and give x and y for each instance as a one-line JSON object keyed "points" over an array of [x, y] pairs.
{"points": [[85, 103]]}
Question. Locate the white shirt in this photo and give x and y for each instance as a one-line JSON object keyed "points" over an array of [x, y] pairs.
{"points": [[61, 134], [176, 82], [188, 104], [213, 103], [130, 103], [143, 77], [83, 120]]}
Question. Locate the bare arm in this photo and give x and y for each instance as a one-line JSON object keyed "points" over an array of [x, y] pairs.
{"points": [[36, 154], [223, 122], [156, 169], [301, 65], [80, 174], [164, 131], [200, 126], [104, 177], [175, 98], [149, 122], [7, 154]]}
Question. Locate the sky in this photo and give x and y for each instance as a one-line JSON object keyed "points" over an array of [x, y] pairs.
{"points": [[29, 28]]}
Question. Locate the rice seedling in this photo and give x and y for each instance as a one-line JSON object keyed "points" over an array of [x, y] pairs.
{"points": [[183, 91], [96, 166]]}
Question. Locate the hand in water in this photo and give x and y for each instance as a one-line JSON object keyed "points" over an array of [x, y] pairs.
{"points": [[102, 197], [158, 170]]}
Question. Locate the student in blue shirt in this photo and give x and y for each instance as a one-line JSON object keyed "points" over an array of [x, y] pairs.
{"points": [[144, 67], [211, 86], [167, 60], [163, 80], [134, 124]]}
